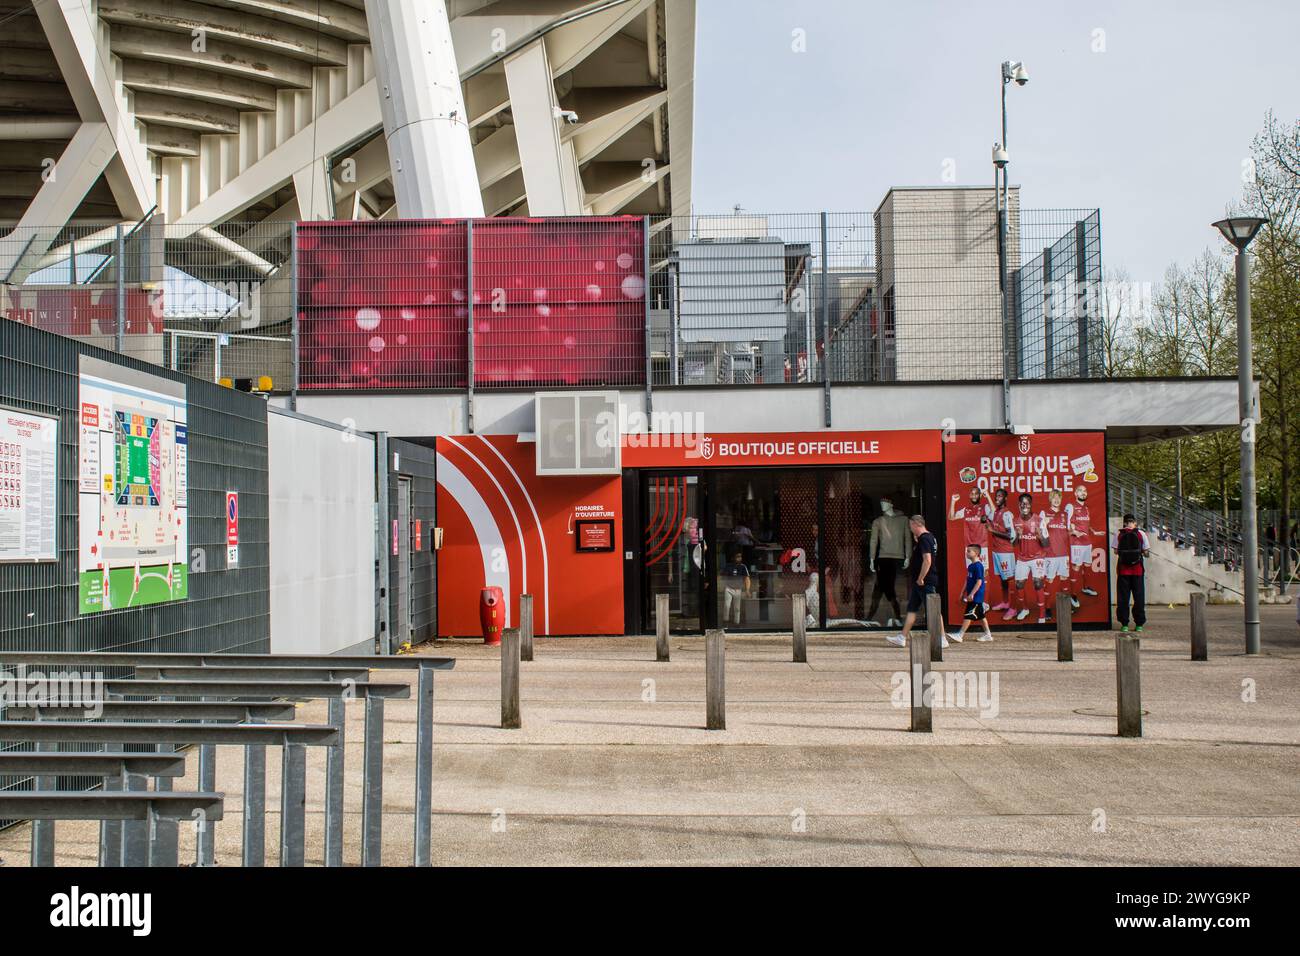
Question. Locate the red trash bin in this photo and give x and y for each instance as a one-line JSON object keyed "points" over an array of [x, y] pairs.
{"points": [[491, 614]]}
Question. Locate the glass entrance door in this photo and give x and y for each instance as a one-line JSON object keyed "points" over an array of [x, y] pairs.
{"points": [[675, 549]]}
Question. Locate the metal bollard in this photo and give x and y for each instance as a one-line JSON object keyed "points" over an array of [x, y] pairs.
{"points": [[715, 679], [918, 652], [661, 627], [934, 624], [525, 627], [1200, 640], [1128, 690], [1064, 629], [799, 622], [510, 716]]}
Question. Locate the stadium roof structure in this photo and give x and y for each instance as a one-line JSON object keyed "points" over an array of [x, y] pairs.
{"points": [[211, 110]]}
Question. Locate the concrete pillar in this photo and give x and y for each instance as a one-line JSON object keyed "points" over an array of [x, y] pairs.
{"points": [[549, 164], [425, 123]]}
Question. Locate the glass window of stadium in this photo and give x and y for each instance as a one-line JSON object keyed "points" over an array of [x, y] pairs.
{"points": [[744, 541]]}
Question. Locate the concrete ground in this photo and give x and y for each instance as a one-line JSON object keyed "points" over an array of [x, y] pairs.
{"points": [[817, 766]]}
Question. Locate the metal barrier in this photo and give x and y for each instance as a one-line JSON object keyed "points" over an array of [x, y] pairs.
{"points": [[264, 677], [914, 290]]}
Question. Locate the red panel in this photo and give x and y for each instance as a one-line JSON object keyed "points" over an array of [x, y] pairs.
{"points": [[486, 484], [559, 302], [382, 304], [1034, 465], [83, 311], [556, 302]]}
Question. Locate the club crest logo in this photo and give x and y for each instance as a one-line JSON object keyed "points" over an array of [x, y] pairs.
{"points": [[1024, 444]]}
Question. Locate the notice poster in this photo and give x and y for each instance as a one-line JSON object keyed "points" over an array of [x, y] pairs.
{"points": [[29, 504], [131, 488], [1035, 506]]}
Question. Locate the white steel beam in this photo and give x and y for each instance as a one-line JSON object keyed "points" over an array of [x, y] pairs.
{"points": [[550, 166], [679, 43], [334, 129], [65, 185], [423, 106], [314, 189], [72, 28]]}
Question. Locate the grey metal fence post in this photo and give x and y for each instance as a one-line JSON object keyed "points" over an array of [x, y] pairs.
{"points": [[372, 785], [43, 830], [135, 833], [119, 251], [334, 770], [826, 328], [424, 768], [293, 806], [645, 298], [110, 831], [204, 845], [254, 836], [293, 317], [469, 308]]}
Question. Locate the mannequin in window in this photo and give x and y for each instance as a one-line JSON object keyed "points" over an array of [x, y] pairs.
{"points": [[886, 553]]}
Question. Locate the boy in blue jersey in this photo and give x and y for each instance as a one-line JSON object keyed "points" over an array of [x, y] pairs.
{"points": [[973, 595]]}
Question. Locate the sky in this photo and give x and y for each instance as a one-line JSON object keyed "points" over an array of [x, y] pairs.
{"points": [[1143, 108]]}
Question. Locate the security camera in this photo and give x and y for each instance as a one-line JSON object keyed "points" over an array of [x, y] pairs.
{"points": [[568, 116], [1015, 70], [1000, 157]]}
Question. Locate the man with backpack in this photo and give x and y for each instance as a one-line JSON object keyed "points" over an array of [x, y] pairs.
{"points": [[1131, 547]]}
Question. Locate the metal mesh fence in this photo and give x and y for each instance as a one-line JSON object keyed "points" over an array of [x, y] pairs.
{"points": [[1057, 295], [129, 287], [909, 292]]}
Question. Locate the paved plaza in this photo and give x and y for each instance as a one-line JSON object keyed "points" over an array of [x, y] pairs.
{"points": [[816, 766]]}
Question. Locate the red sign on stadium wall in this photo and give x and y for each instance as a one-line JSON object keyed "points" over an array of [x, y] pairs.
{"points": [[735, 449], [1046, 494]]}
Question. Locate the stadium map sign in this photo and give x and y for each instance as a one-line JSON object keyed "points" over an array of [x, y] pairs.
{"points": [[132, 488]]}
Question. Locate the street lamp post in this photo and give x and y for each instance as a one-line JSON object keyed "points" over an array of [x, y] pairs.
{"points": [[1239, 231], [1011, 70]]}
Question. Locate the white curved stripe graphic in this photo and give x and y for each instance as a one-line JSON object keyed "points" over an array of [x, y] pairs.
{"points": [[541, 536], [485, 526], [519, 533]]}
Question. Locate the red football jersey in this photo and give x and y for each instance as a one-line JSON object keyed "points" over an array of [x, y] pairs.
{"points": [[977, 532], [1082, 522], [1028, 544], [1058, 533], [1002, 545]]}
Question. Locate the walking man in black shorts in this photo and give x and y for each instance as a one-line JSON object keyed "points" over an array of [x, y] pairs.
{"points": [[924, 569]]}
